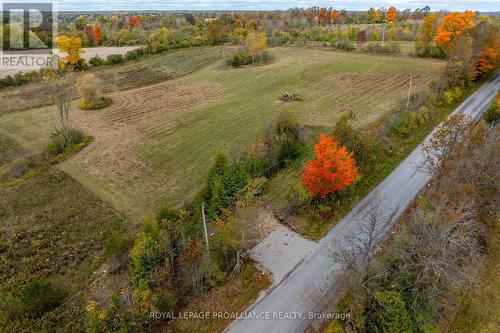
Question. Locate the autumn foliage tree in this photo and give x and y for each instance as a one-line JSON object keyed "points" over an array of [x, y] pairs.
{"points": [[97, 35], [454, 25], [334, 168], [89, 34], [256, 43], [391, 14], [487, 47], [323, 16], [334, 16], [132, 22], [72, 46], [215, 32], [428, 30], [251, 24]]}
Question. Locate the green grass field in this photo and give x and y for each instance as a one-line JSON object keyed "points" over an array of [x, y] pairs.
{"points": [[155, 143]]}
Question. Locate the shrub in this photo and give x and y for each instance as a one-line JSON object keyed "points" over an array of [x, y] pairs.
{"points": [[136, 54], [27, 77], [343, 44], [432, 51], [21, 167], [284, 139], [98, 104], [364, 146], [264, 57], [408, 121], [388, 314], [166, 300], [89, 88], [81, 66], [7, 81], [493, 112], [392, 48], [116, 244], [97, 61], [243, 57], [417, 100], [240, 58], [40, 296], [167, 213], [448, 96], [253, 188], [298, 197], [59, 141], [255, 159], [146, 251], [289, 148], [457, 93], [223, 183], [115, 59]]}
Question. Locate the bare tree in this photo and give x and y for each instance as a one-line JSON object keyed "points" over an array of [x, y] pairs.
{"points": [[355, 251], [443, 142], [442, 245], [61, 92], [356, 248], [444, 237]]}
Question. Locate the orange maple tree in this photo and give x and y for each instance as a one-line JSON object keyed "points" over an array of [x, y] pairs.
{"points": [[453, 26], [333, 169], [334, 16], [97, 35], [251, 24], [133, 21], [489, 56], [323, 15], [391, 14]]}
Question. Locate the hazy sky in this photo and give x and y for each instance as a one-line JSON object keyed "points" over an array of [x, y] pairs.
{"points": [[488, 5]]}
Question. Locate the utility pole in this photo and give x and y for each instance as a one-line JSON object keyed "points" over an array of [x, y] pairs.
{"points": [[383, 33], [409, 93], [205, 226]]}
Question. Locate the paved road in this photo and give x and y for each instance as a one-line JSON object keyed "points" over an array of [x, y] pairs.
{"points": [[394, 194]]}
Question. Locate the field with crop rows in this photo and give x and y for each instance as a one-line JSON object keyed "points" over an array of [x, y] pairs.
{"points": [[155, 143]]}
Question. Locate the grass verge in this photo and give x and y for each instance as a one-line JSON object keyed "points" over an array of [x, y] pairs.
{"points": [[229, 299]]}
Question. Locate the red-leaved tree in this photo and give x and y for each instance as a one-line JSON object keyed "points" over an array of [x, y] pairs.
{"points": [[97, 35], [333, 169]]}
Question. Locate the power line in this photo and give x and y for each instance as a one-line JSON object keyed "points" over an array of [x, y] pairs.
{"points": [[45, 316]]}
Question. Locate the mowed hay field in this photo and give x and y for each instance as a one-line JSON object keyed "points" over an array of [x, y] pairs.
{"points": [[156, 143]]}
